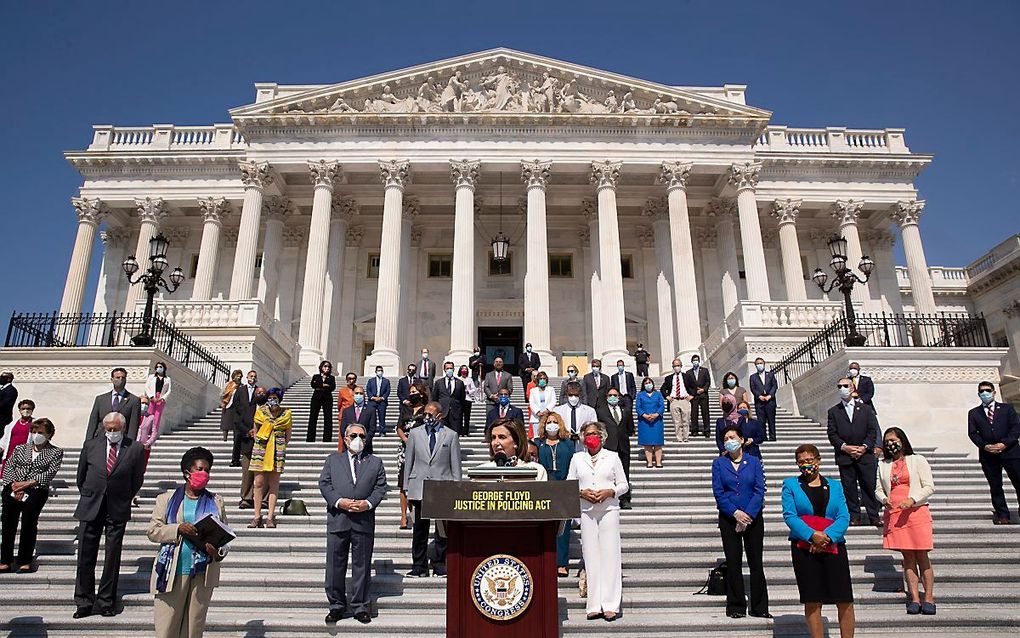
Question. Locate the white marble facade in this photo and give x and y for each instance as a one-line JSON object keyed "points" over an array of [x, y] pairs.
{"points": [[329, 202]]}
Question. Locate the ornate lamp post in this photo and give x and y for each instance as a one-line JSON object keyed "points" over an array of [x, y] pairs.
{"points": [[152, 280], [845, 280]]}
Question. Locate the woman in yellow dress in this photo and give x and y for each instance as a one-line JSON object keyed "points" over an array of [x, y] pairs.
{"points": [[272, 434]]}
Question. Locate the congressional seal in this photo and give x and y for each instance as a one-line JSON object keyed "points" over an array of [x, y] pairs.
{"points": [[501, 587]]}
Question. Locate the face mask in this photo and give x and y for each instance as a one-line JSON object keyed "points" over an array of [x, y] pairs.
{"points": [[612, 400], [696, 363], [425, 356], [415, 399], [808, 468], [552, 429], [731, 383], [593, 442], [596, 370], [732, 445], [572, 374], [542, 383], [198, 479], [892, 447], [529, 349], [743, 412], [677, 369], [504, 400], [620, 369], [986, 396], [26, 413], [411, 372], [378, 374], [119, 384], [273, 402], [477, 352], [145, 408], [115, 437], [573, 401], [260, 399], [760, 367], [38, 438], [359, 399], [448, 373], [853, 372], [356, 445], [649, 387], [160, 370], [844, 393], [428, 420]]}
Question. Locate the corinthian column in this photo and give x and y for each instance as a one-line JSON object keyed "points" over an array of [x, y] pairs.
{"points": [[395, 175], [150, 211], [90, 212], [907, 214], [276, 210], [344, 210], [255, 176], [614, 328], [685, 287], [658, 238], [214, 209], [847, 212], [723, 210], [536, 279], [786, 211], [589, 208], [462, 297], [745, 178], [324, 177]]}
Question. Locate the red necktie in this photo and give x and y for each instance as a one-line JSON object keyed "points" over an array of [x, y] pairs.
{"points": [[991, 412], [499, 375], [111, 458], [676, 392], [357, 414]]}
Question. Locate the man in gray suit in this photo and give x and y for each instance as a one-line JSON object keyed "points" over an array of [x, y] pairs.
{"points": [[497, 379], [432, 454], [353, 483], [116, 400]]}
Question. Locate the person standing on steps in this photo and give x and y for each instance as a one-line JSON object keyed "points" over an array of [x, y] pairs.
{"points": [[243, 405], [651, 430], [763, 388], [345, 397], [853, 431], [595, 388], [157, 388], [540, 403], [904, 486], [731, 387], [863, 386], [571, 378], [624, 382], [497, 379], [994, 428], [450, 392], [555, 449], [426, 368], [247, 477], [17, 433], [352, 483], [378, 392], [529, 364], [678, 401], [472, 395], [273, 426], [418, 397], [641, 360], [148, 432], [226, 403], [8, 398], [476, 363], [698, 382], [575, 414], [404, 390], [503, 410], [117, 399], [360, 413], [618, 418], [323, 384]]}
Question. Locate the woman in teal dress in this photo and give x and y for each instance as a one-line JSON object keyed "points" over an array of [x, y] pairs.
{"points": [[650, 408]]}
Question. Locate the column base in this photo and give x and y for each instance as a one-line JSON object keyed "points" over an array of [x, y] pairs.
{"points": [[459, 358], [309, 360], [550, 363], [388, 359], [611, 356]]}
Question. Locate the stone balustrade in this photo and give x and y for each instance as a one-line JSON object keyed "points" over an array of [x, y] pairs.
{"points": [[995, 256], [249, 313], [942, 278], [165, 137], [773, 314], [832, 139]]}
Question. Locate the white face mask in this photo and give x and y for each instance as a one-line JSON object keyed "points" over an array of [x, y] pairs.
{"points": [[552, 429], [115, 437], [38, 438], [760, 367], [677, 369], [26, 413], [356, 445], [573, 401], [853, 372], [844, 393]]}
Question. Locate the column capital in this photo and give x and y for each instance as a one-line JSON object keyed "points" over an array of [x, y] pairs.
{"points": [[416, 233], [536, 173], [706, 235], [277, 208], [655, 209], [465, 173], [721, 208], [255, 174], [353, 236], [786, 210], [477, 204], [89, 210], [590, 209], [395, 173], [345, 207], [646, 236], [522, 206], [674, 174], [214, 209], [605, 174], [744, 176], [907, 212], [411, 207], [1012, 310], [115, 237], [846, 211], [151, 209], [325, 173], [880, 237], [584, 233]]}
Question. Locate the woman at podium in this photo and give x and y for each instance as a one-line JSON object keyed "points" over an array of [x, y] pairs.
{"points": [[601, 479], [508, 447]]}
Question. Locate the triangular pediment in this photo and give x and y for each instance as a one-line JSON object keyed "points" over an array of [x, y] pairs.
{"points": [[501, 82]]}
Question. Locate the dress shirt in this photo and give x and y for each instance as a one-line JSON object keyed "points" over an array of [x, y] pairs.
{"points": [[849, 407], [584, 414], [622, 383]]}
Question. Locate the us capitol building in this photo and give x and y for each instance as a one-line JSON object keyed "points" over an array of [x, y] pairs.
{"points": [[501, 197]]}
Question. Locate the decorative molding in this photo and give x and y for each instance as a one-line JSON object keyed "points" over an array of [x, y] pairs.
{"points": [[478, 205], [395, 173], [674, 174], [294, 236], [117, 237], [325, 173], [745, 175], [536, 174], [177, 233], [589, 209], [646, 236], [345, 207], [907, 212], [522, 207], [721, 208], [846, 211], [768, 237], [464, 173], [879, 237], [89, 210], [605, 174], [277, 208], [354, 235], [229, 236], [72, 373], [255, 174], [416, 233], [584, 233], [655, 209], [786, 210], [1012, 309], [707, 236], [932, 374], [151, 209], [411, 207]]}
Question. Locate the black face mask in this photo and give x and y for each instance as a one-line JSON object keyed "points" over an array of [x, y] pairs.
{"points": [[415, 399], [892, 447], [260, 399]]}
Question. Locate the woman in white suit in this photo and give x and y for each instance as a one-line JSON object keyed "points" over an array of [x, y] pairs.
{"points": [[602, 482], [541, 400]]}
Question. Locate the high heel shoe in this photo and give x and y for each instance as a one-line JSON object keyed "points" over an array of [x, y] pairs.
{"points": [[255, 523], [271, 523]]}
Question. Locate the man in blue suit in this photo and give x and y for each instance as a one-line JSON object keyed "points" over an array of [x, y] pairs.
{"points": [[995, 428], [503, 410], [764, 388], [378, 390]]}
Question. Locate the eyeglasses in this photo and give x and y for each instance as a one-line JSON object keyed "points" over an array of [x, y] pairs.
{"points": [[844, 385], [351, 437]]}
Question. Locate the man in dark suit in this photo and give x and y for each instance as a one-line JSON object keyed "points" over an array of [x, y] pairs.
{"points": [[243, 406], [497, 379], [110, 473], [529, 364], [763, 388], [503, 410], [476, 364], [863, 387], [624, 381], [8, 399], [378, 392], [595, 386], [404, 391], [641, 359], [618, 418], [353, 483], [698, 381], [362, 414], [853, 431], [995, 428], [449, 391], [116, 400], [426, 368]]}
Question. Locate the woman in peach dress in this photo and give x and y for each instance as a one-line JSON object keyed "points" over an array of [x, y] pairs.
{"points": [[904, 486]]}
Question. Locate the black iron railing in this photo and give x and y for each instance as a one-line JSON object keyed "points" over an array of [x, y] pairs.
{"points": [[93, 330], [946, 330]]}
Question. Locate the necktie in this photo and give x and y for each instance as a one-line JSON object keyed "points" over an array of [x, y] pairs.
{"points": [[573, 419], [116, 401], [616, 415], [111, 458], [502, 413], [597, 378], [357, 466], [991, 412], [432, 440], [449, 387], [499, 375], [676, 390], [357, 414]]}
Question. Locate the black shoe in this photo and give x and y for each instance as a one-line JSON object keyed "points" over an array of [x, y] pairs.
{"points": [[82, 612], [109, 612], [235, 464], [439, 571], [1001, 520], [334, 616], [765, 615], [626, 505], [415, 573], [735, 614], [246, 505], [877, 522], [856, 521], [363, 617]]}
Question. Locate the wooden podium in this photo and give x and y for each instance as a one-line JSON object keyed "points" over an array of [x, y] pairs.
{"points": [[501, 554]]}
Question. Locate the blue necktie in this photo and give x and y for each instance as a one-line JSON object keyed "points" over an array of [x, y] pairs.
{"points": [[432, 440]]}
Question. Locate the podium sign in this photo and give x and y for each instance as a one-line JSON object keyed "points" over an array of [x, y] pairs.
{"points": [[501, 554]]}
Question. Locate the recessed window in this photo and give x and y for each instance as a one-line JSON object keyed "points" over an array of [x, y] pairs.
{"points": [[258, 265], [194, 267], [501, 268], [627, 266], [440, 265], [373, 266], [561, 265]]}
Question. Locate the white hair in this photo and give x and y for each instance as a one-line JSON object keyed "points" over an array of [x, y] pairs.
{"points": [[603, 432], [115, 416]]}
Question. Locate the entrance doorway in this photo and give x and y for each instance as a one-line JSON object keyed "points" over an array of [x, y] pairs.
{"points": [[506, 342]]}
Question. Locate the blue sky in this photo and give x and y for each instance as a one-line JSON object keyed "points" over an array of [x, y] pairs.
{"points": [[946, 72]]}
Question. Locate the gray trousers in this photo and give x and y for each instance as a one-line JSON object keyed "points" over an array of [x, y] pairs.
{"points": [[359, 546]]}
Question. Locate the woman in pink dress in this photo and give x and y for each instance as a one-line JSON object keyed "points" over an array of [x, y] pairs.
{"points": [[904, 486]]}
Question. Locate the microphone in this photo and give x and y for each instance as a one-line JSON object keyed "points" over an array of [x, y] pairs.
{"points": [[501, 459]]}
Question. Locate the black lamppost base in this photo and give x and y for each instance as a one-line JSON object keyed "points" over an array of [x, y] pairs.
{"points": [[143, 341], [855, 340]]}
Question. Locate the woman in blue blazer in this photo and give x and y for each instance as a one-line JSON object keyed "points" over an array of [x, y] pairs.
{"points": [[555, 449], [738, 483], [820, 561], [753, 430]]}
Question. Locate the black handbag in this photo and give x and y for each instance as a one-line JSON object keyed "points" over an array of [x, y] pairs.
{"points": [[716, 583]]}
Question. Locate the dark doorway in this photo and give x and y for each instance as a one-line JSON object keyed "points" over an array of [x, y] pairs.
{"points": [[506, 342]]}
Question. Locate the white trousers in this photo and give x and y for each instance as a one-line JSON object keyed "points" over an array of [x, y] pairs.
{"points": [[680, 410], [600, 547]]}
